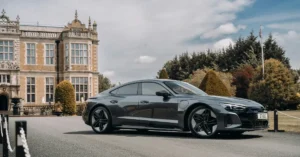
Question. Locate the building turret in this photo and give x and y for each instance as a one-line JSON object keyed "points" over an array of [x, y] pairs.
{"points": [[95, 26]]}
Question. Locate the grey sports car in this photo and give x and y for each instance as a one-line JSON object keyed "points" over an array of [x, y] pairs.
{"points": [[165, 104]]}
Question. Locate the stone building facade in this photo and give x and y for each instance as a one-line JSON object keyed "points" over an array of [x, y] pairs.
{"points": [[34, 59]]}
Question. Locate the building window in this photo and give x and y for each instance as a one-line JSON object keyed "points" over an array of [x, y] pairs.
{"points": [[67, 53], [49, 89], [4, 78], [79, 54], [80, 85], [30, 89], [6, 50], [49, 56], [30, 55]]}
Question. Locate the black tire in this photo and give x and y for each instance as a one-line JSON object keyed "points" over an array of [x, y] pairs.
{"points": [[142, 130], [101, 122], [236, 133], [206, 125]]}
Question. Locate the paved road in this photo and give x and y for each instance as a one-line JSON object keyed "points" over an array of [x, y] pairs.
{"points": [[70, 137]]}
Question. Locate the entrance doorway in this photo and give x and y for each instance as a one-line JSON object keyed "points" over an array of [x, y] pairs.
{"points": [[3, 102]]}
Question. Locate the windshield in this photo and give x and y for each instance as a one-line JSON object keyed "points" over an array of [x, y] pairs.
{"points": [[180, 87]]}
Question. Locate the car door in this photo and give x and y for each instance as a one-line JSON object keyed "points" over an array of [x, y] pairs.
{"points": [[158, 111], [126, 101]]}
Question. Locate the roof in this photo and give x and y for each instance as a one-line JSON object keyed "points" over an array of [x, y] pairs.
{"points": [[41, 28]]}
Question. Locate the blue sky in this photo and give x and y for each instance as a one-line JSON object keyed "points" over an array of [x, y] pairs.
{"points": [[138, 36]]}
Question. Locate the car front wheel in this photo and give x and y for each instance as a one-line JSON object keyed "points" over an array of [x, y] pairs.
{"points": [[202, 122], [101, 120]]}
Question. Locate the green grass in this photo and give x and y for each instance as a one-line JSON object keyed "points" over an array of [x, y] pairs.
{"points": [[284, 122]]}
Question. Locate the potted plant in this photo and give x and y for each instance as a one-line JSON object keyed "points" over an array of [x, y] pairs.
{"points": [[57, 109]]}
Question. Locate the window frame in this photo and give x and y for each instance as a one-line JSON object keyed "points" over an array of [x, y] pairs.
{"points": [[76, 59], [31, 57], [117, 89], [80, 84], [49, 51], [141, 90], [30, 93], [8, 46], [49, 93]]}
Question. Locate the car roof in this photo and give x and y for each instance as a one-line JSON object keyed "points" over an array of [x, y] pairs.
{"points": [[149, 80], [140, 81]]}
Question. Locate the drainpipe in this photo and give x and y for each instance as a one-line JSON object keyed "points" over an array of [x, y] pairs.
{"points": [[57, 60]]}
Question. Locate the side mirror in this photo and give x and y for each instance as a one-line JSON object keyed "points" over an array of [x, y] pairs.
{"points": [[163, 93]]}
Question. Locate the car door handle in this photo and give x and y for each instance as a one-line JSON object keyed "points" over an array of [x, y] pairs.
{"points": [[144, 102], [114, 101]]}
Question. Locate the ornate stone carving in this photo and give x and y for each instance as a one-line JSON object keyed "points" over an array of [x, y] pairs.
{"points": [[9, 65]]}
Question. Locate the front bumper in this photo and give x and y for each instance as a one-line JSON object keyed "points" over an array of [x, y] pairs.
{"points": [[85, 117], [245, 121]]}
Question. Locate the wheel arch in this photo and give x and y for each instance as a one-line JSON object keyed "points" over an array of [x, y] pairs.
{"points": [[98, 105], [189, 110]]}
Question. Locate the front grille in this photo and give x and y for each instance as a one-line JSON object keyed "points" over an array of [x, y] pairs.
{"points": [[249, 118], [254, 109], [254, 124]]}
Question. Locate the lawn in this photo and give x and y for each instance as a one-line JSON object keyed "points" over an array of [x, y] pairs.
{"points": [[284, 122]]}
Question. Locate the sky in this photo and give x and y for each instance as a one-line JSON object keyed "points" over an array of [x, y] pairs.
{"points": [[138, 36]]}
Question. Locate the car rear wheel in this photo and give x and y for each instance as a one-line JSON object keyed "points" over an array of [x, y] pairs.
{"points": [[101, 120], [202, 122]]}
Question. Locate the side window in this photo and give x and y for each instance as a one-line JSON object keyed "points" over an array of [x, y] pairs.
{"points": [[114, 91], [151, 88], [131, 89]]}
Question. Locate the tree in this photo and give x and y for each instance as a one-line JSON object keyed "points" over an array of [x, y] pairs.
{"points": [[212, 85], [163, 74], [103, 83], [273, 50], [275, 91], [65, 94], [198, 75], [242, 77], [246, 50]]}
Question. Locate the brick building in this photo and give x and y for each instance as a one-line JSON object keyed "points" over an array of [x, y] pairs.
{"points": [[33, 59]]}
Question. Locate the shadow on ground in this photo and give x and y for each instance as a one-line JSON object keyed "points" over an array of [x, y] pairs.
{"points": [[133, 133]]}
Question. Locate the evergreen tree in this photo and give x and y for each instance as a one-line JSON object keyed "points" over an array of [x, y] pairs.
{"points": [[272, 50], [212, 85], [163, 74], [103, 83]]}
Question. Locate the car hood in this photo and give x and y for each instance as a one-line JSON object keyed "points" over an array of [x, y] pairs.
{"points": [[223, 99]]}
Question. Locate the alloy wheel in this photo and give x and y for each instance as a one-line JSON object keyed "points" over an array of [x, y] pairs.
{"points": [[203, 122], [100, 120]]}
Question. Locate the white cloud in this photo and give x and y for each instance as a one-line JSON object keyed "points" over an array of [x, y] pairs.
{"points": [[223, 43], [109, 73], [131, 28], [285, 26], [271, 17], [224, 29], [290, 42], [145, 59]]}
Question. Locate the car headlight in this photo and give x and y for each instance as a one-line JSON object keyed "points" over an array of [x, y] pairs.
{"points": [[234, 107]]}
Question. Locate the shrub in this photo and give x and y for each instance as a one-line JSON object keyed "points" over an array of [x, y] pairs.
{"points": [[213, 85], [163, 74], [65, 94], [198, 75], [277, 89], [242, 77], [79, 108]]}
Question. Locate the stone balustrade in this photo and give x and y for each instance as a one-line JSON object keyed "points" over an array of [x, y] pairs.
{"points": [[80, 35], [51, 35]]}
